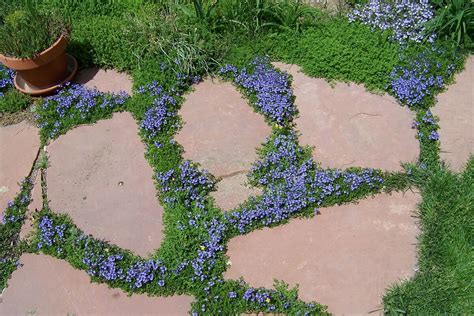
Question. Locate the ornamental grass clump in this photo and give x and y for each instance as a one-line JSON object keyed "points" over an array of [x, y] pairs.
{"points": [[405, 19], [27, 32]]}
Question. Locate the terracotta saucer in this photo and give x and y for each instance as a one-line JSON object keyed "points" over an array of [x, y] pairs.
{"points": [[21, 85]]}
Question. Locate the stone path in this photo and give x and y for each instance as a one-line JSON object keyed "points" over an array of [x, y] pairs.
{"points": [[105, 80], [19, 145], [48, 286], [455, 108], [349, 126], [99, 176], [221, 132], [344, 258]]}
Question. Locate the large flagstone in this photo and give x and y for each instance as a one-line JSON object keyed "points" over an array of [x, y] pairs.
{"points": [[48, 286], [344, 258], [99, 176], [351, 127], [222, 133], [455, 109]]}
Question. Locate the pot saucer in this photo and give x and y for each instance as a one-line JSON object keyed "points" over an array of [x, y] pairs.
{"points": [[71, 70]]}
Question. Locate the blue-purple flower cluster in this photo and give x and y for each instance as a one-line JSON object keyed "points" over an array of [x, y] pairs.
{"points": [[76, 103], [292, 186], [405, 18], [108, 267], [6, 79], [193, 183], [271, 88], [427, 125], [412, 84], [50, 233], [161, 110], [100, 260], [208, 251], [15, 211]]}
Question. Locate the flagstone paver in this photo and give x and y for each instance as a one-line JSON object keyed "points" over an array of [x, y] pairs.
{"points": [[222, 132], [455, 108], [98, 175], [344, 258], [232, 191], [48, 286], [19, 145], [352, 127], [108, 80]]}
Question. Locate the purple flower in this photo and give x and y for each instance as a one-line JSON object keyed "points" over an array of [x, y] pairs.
{"points": [[413, 83], [433, 135], [271, 88], [405, 18]]}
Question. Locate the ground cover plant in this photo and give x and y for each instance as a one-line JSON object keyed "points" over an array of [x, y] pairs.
{"points": [[167, 47]]}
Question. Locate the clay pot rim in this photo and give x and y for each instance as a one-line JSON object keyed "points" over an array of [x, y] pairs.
{"points": [[45, 52], [43, 58]]}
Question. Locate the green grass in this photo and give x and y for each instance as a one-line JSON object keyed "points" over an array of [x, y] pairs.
{"points": [[444, 282]]}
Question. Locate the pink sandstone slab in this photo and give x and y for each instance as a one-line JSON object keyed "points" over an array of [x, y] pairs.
{"points": [[344, 258], [232, 191], [99, 176], [48, 286], [105, 80], [19, 145], [349, 126], [222, 133], [455, 109]]}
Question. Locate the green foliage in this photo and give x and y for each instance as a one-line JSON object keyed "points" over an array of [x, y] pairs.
{"points": [[443, 283], [107, 41], [13, 101], [454, 21], [185, 47], [88, 8], [27, 32], [338, 50], [254, 16], [13, 219], [138, 37], [74, 106]]}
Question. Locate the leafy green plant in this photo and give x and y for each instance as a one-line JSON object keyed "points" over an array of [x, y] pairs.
{"points": [[291, 14], [27, 32], [454, 21], [182, 44], [13, 101], [253, 16]]}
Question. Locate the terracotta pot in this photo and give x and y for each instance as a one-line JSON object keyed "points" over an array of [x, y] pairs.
{"points": [[45, 70]]}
